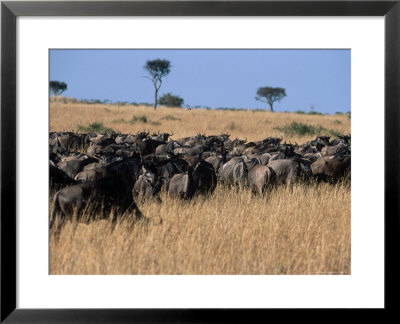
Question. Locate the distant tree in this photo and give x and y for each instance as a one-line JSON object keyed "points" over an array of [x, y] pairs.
{"points": [[157, 69], [270, 95], [170, 100], [57, 87]]}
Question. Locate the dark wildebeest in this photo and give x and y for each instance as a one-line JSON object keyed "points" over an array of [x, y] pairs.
{"points": [[323, 140], [70, 141], [108, 150], [163, 137], [260, 178], [147, 146], [59, 178], [95, 197], [207, 178], [285, 151], [166, 169], [234, 172]]}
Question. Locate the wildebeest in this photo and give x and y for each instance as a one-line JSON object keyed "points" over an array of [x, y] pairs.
{"points": [[147, 146], [148, 185], [331, 167], [122, 139], [163, 137], [94, 165], [167, 148], [251, 162], [191, 151], [216, 162], [91, 174], [74, 166], [234, 172], [89, 199], [287, 171], [184, 185], [131, 165], [58, 178], [193, 159], [67, 141], [113, 173], [323, 140], [104, 140], [331, 150], [207, 178], [260, 178], [264, 158], [342, 139], [166, 169]]}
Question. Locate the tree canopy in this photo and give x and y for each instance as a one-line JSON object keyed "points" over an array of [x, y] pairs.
{"points": [[57, 87], [270, 95], [171, 100], [157, 69]]}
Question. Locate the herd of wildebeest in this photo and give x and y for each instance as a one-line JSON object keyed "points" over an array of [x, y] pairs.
{"points": [[93, 174]]}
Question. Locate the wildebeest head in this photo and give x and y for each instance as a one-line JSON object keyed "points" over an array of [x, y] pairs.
{"points": [[342, 139], [287, 149], [163, 137], [103, 140], [323, 140]]}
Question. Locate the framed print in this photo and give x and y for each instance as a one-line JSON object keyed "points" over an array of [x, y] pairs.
{"points": [[335, 72]]}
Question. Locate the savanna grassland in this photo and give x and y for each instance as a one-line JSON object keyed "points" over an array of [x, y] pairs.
{"points": [[301, 229]]}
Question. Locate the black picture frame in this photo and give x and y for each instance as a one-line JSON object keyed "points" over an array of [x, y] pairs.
{"points": [[10, 10]]}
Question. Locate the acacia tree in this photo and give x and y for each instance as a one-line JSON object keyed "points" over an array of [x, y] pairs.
{"points": [[57, 87], [269, 95], [157, 69]]}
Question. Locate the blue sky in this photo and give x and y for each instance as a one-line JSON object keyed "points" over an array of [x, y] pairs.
{"points": [[212, 78]]}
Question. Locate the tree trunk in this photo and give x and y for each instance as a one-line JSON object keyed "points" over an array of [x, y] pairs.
{"points": [[155, 99], [270, 107]]}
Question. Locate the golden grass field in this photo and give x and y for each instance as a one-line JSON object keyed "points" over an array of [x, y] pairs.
{"points": [[302, 229], [182, 122]]}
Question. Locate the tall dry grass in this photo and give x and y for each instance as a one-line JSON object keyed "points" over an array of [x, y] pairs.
{"points": [[292, 230], [300, 229]]}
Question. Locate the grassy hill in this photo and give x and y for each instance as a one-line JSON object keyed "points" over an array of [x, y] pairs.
{"points": [[250, 125]]}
